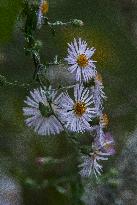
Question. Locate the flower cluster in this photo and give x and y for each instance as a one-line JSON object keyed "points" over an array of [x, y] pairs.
{"points": [[50, 111]]}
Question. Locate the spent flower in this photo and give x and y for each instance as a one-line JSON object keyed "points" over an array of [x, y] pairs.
{"points": [[91, 163], [105, 143], [42, 10], [98, 93], [104, 120], [102, 148]]}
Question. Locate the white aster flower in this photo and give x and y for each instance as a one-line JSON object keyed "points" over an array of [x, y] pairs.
{"points": [[79, 59], [39, 112], [78, 112]]}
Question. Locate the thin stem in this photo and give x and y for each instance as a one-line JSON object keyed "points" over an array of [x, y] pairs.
{"points": [[59, 23], [74, 22], [5, 82], [16, 83]]}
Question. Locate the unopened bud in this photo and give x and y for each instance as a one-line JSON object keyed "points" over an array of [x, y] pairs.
{"points": [[40, 161], [77, 22]]}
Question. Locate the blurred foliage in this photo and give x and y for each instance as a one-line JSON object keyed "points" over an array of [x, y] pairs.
{"points": [[8, 16]]}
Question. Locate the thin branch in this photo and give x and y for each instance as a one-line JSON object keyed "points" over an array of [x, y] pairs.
{"points": [[5, 82], [74, 22]]}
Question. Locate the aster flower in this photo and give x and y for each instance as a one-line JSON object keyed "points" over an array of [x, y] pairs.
{"points": [[78, 112], [91, 163], [39, 112], [79, 59], [43, 9]]}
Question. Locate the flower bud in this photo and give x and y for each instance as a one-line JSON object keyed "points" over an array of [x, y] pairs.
{"points": [[77, 22], [40, 161]]}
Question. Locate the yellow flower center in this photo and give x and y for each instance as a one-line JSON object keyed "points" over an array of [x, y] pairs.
{"points": [[82, 60], [79, 108], [104, 120], [44, 7], [107, 146]]}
